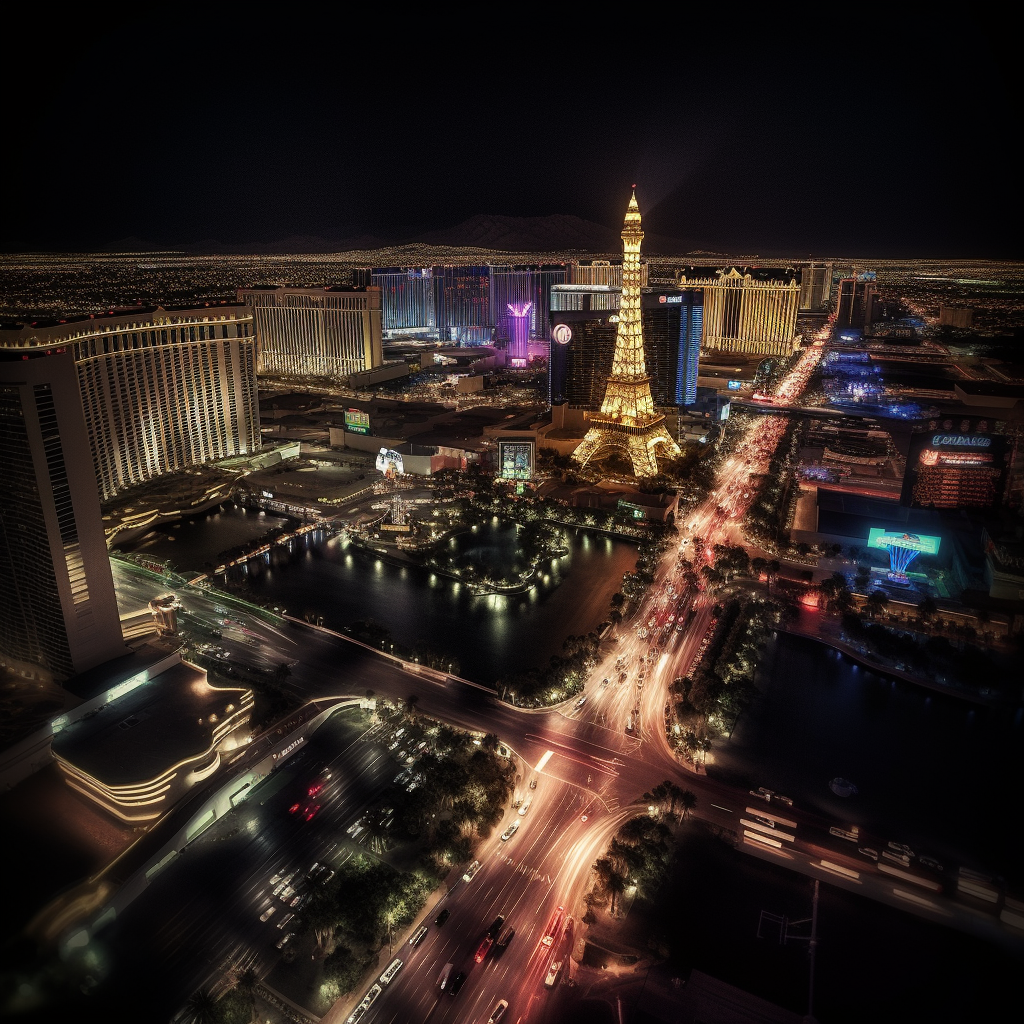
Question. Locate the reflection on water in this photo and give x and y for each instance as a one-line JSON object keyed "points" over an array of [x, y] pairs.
{"points": [[491, 635], [192, 543], [926, 765]]}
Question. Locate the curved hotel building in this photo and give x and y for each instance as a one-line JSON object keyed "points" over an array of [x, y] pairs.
{"points": [[162, 389]]}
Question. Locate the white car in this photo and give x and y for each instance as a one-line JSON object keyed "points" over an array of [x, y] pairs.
{"points": [[268, 913], [510, 831], [284, 940], [526, 806], [471, 871]]}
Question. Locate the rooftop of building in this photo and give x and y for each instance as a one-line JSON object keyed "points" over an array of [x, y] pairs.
{"points": [[102, 678], [139, 736], [101, 319], [781, 275]]}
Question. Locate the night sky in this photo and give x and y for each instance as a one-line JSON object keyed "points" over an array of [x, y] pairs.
{"points": [[864, 134]]}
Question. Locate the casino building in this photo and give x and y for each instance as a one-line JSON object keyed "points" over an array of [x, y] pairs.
{"points": [[162, 389], [747, 310], [316, 332], [584, 321]]}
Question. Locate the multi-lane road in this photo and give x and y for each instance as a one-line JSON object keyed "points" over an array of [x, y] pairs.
{"points": [[592, 760]]}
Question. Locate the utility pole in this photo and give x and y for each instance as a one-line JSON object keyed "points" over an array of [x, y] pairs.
{"points": [[813, 951]]}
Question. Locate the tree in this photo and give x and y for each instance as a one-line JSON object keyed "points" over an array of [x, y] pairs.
{"points": [[247, 982], [876, 602], [687, 801], [927, 608], [616, 886], [772, 570], [202, 1007]]}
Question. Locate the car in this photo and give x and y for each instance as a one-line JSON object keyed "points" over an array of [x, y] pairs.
{"points": [[279, 888], [412, 785], [580, 702], [268, 913], [311, 812], [283, 923], [456, 983], [498, 1012], [367, 1002], [525, 805], [289, 878], [929, 862], [510, 831], [285, 939], [471, 871], [314, 789], [442, 917], [483, 949], [554, 928], [418, 936], [275, 879], [392, 969], [297, 902], [504, 939], [533, 783], [496, 926], [288, 893], [295, 808], [445, 976], [867, 851], [901, 848], [553, 972]]}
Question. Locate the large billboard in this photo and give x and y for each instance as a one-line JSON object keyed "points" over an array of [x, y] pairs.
{"points": [[389, 462], [956, 463], [515, 460], [357, 421], [916, 542]]}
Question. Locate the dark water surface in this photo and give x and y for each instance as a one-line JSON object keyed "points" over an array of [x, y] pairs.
{"points": [[930, 769], [324, 576]]}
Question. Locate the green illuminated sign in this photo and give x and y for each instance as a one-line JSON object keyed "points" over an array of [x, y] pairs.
{"points": [[888, 539]]}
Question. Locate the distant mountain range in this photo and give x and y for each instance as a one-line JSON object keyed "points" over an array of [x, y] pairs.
{"points": [[558, 233]]}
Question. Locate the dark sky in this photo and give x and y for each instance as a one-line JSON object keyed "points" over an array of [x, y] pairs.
{"points": [[856, 133]]}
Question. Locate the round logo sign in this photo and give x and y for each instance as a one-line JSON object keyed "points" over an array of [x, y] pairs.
{"points": [[562, 334]]}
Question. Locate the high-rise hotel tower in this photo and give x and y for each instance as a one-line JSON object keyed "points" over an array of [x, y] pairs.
{"points": [[58, 611], [161, 389], [747, 310], [316, 332]]}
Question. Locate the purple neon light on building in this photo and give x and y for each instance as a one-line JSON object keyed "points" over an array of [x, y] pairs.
{"points": [[519, 332]]}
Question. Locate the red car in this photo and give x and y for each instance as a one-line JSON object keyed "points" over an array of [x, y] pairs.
{"points": [[294, 809], [483, 949], [310, 812], [554, 927]]}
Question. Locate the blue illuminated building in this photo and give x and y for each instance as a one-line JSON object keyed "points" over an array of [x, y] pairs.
{"points": [[673, 320]]}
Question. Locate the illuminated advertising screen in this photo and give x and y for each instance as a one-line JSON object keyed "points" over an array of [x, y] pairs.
{"points": [[389, 462], [357, 421], [515, 460], [889, 539], [735, 385], [956, 463]]}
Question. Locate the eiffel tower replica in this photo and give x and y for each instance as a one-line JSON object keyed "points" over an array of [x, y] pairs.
{"points": [[627, 421]]}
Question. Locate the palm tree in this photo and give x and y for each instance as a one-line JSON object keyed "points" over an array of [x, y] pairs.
{"points": [[202, 1007], [616, 886], [247, 982], [687, 801]]}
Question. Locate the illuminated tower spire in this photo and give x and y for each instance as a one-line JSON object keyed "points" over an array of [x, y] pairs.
{"points": [[627, 421]]}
